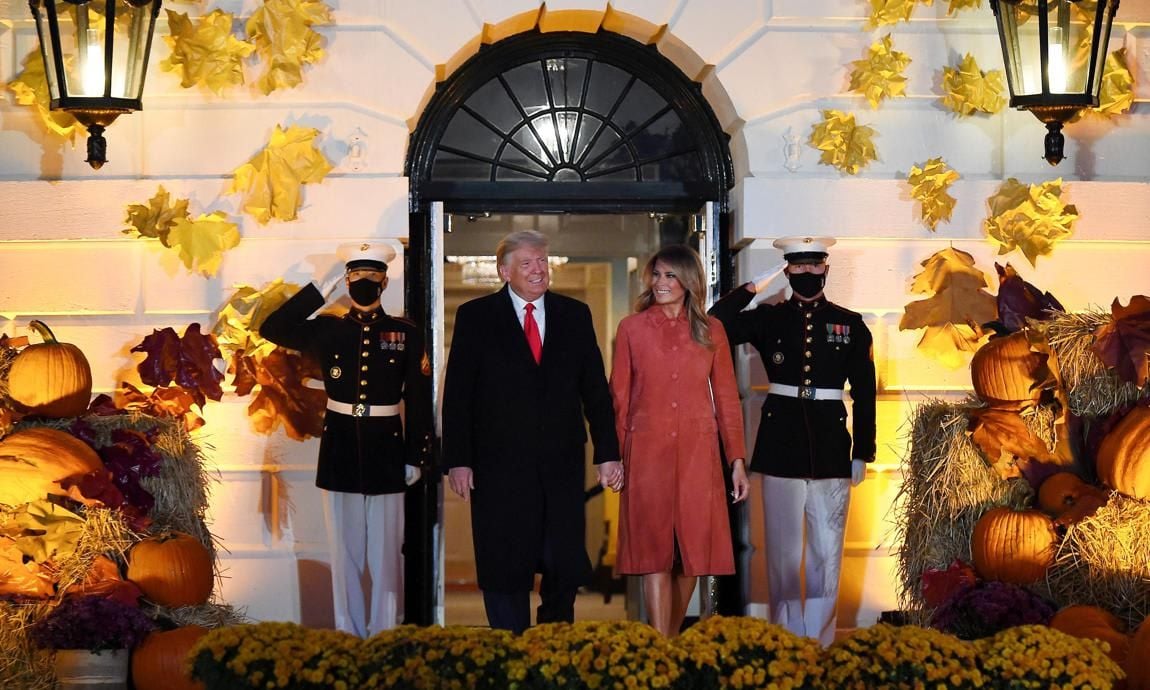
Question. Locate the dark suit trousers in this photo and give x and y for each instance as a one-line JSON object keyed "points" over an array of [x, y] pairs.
{"points": [[512, 610]]}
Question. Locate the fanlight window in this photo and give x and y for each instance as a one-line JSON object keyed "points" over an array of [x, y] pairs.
{"points": [[567, 119]]}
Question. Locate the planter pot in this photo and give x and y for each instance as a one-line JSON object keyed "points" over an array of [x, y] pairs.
{"points": [[79, 669]]}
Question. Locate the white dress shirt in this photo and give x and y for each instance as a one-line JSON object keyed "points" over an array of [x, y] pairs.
{"points": [[521, 313]]}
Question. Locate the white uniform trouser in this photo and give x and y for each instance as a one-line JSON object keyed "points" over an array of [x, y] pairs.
{"points": [[366, 537], [819, 505]]}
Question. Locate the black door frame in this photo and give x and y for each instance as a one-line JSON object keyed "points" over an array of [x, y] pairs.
{"points": [[602, 197]]}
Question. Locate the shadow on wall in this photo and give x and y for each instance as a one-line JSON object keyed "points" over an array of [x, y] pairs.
{"points": [[315, 609]]}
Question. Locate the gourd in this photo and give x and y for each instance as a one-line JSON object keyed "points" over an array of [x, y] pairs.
{"points": [[172, 569], [1123, 459], [158, 663], [1015, 546], [1093, 623], [50, 379], [1004, 371]]}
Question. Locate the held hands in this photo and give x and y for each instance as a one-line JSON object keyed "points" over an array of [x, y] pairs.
{"points": [[858, 471], [611, 475], [739, 481], [462, 481]]}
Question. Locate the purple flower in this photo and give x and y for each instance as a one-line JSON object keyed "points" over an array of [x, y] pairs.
{"points": [[93, 623], [985, 609]]}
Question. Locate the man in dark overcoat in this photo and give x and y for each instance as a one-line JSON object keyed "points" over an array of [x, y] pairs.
{"points": [[368, 454], [810, 348], [523, 373]]}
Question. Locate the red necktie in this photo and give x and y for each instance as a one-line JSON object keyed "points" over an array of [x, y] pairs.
{"points": [[532, 330]]}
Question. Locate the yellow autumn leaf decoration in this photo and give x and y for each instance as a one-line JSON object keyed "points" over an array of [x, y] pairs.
{"points": [[1030, 218], [271, 180], [1117, 95], [883, 12], [929, 186], [970, 90], [156, 218], [281, 31], [237, 330], [880, 74], [205, 52], [844, 144], [957, 306], [956, 5], [31, 88], [203, 241]]}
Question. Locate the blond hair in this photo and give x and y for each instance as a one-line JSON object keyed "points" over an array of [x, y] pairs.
{"points": [[520, 238]]}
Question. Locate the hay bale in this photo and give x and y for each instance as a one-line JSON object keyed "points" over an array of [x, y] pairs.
{"points": [[22, 666], [1103, 560]]}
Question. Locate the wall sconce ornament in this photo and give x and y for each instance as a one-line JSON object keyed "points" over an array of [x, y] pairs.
{"points": [[1055, 53], [95, 56]]}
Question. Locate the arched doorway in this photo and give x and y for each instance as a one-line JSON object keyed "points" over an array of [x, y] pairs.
{"points": [[553, 126]]}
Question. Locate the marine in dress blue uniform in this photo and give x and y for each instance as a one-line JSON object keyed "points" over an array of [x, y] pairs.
{"points": [[372, 361], [810, 349]]}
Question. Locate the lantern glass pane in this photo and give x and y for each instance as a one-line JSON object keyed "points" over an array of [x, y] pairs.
{"points": [[48, 49], [1071, 27], [133, 24], [1020, 23]]}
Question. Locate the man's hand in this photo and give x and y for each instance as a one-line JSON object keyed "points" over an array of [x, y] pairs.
{"points": [[462, 481], [611, 475], [858, 471], [760, 282], [742, 485], [411, 474], [332, 280]]}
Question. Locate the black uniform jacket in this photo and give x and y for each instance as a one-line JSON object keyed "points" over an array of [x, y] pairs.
{"points": [[370, 358], [519, 426], [815, 344]]}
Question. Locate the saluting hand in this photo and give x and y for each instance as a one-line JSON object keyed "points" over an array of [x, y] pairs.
{"points": [[611, 475], [462, 481]]}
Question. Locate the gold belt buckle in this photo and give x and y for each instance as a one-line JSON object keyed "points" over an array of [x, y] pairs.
{"points": [[806, 393], [359, 410]]}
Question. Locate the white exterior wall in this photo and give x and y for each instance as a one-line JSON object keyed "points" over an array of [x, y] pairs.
{"points": [[767, 68]]}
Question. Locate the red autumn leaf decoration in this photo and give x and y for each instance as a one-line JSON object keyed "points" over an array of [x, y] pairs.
{"points": [[939, 585], [282, 396], [189, 361], [1018, 300], [1124, 343]]}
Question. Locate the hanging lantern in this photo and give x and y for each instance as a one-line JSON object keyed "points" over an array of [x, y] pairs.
{"points": [[1055, 53], [95, 58]]}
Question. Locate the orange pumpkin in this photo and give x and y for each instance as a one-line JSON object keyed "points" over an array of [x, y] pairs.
{"points": [[172, 569], [1093, 623], [50, 379], [35, 463], [1137, 669], [159, 662], [1066, 498], [1123, 460], [1005, 372], [1015, 546]]}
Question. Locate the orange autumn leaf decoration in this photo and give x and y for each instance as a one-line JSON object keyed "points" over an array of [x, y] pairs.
{"points": [[283, 397], [958, 305], [1010, 447]]}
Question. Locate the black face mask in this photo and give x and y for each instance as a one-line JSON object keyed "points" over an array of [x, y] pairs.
{"points": [[364, 291], [807, 284]]}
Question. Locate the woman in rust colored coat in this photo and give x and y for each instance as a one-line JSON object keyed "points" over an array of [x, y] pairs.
{"points": [[673, 384]]}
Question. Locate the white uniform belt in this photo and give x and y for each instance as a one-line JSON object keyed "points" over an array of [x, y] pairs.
{"points": [[362, 409], [805, 392]]}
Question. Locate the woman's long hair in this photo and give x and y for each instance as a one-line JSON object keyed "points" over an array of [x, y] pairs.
{"points": [[688, 268]]}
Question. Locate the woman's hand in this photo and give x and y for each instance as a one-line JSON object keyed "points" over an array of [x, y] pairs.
{"points": [[739, 481], [611, 475]]}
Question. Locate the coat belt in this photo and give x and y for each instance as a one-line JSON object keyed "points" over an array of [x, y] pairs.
{"points": [[805, 392], [362, 409]]}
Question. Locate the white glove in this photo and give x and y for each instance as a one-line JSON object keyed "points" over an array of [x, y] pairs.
{"points": [[329, 285], [858, 471], [764, 279], [411, 474]]}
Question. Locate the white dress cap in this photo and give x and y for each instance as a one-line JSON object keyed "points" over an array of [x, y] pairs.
{"points": [[804, 248], [366, 255]]}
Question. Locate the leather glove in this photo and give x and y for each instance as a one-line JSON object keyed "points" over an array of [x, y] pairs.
{"points": [[764, 279], [858, 471], [411, 474]]}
